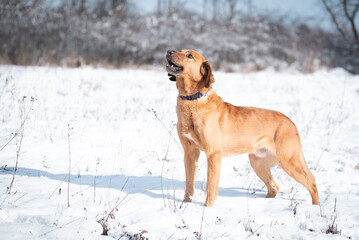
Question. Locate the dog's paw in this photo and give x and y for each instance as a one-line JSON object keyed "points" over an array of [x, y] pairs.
{"points": [[207, 204], [271, 195], [187, 199]]}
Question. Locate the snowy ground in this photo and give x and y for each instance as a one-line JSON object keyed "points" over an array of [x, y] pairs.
{"points": [[120, 181]]}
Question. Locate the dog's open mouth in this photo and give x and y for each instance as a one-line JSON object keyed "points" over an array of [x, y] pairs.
{"points": [[173, 67]]}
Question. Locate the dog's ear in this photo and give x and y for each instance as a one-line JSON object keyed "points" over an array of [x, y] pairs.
{"points": [[172, 77], [207, 76]]}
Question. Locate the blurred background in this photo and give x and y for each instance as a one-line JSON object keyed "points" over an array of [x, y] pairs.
{"points": [[234, 35]]}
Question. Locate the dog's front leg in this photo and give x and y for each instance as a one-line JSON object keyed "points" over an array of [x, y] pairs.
{"points": [[191, 156], [214, 168]]}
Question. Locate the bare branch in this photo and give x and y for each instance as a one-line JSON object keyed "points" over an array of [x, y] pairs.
{"points": [[334, 19], [232, 8], [21, 126], [21, 131], [351, 17], [69, 177]]}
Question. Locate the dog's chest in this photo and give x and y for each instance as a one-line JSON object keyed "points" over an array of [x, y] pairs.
{"points": [[189, 118], [190, 121]]}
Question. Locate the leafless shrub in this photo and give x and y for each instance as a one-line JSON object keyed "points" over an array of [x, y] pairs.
{"points": [[69, 174], [333, 228], [24, 117]]}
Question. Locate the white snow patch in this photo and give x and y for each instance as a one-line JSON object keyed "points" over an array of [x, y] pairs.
{"points": [[118, 143]]}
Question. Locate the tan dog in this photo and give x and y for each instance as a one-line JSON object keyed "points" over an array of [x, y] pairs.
{"points": [[220, 129]]}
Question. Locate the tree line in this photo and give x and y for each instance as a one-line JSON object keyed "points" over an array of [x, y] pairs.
{"points": [[115, 33]]}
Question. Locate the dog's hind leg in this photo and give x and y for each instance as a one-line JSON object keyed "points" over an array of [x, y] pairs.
{"points": [[291, 159], [262, 164]]}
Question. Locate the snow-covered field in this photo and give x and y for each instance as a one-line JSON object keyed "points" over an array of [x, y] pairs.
{"points": [[127, 173]]}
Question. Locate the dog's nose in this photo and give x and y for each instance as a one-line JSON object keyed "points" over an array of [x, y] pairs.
{"points": [[170, 52]]}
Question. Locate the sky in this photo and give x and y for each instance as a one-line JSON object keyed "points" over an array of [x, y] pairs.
{"points": [[309, 11]]}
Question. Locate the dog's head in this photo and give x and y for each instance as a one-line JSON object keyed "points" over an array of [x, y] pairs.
{"points": [[190, 70]]}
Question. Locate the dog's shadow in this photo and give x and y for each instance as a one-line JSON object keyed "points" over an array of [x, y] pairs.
{"points": [[152, 186]]}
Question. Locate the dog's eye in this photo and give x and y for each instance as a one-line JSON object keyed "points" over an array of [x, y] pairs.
{"points": [[189, 55]]}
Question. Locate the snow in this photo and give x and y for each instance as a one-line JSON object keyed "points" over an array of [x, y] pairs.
{"points": [[189, 136], [127, 172]]}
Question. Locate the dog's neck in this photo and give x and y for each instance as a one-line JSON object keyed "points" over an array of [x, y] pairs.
{"points": [[188, 87], [195, 96]]}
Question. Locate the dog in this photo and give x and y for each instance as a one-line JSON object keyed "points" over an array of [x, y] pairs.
{"points": [[207, 123]]}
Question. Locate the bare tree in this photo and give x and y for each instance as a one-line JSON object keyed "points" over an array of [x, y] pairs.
{"points": [[174, 6], [334, 18], [232, 8], [114, 4], [204, 9], [343, 14], [119, 7], [82, 5], [35, 3], [159, 7], [350, 15], [214, 6], [249, 2], [170, 6]]}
